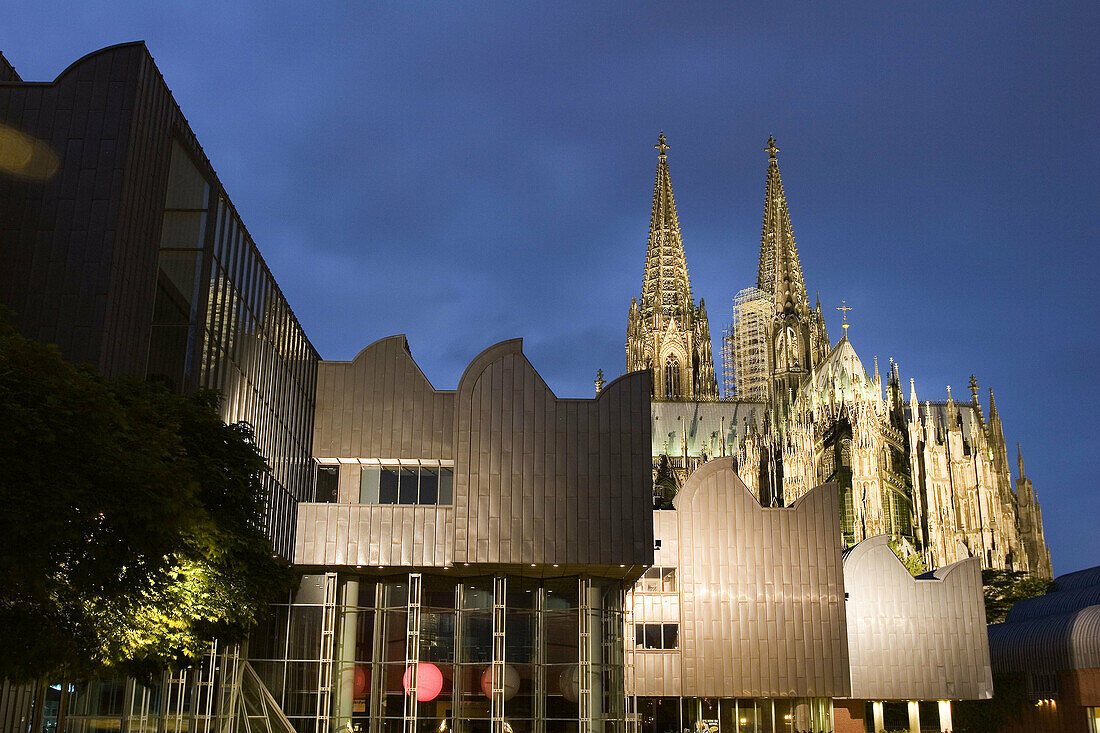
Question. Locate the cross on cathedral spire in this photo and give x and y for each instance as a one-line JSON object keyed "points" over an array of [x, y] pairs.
{"points": [[661, 146], [844, 308]]}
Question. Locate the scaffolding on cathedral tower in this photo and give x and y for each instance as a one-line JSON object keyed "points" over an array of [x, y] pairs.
{"points": [[745, 347]]}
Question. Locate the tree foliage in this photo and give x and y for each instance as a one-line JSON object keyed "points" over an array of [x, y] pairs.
{"points": [[980, 716], [131, 522], [1003, 588], [912, 561]]}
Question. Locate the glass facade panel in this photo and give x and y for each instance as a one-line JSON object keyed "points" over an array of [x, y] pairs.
{"points": [[387, 485], [407, 485], [177, 287], [183, 230], [429, 486], [328, 483], [454, 617], [670, 636], [368, 484], [446, 484], [187, 187]]}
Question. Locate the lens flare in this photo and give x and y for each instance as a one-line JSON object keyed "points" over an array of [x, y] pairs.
{"points": [[24, 156]]}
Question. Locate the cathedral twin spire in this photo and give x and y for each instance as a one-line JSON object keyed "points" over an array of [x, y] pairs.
{"points": [[665, 285], [779, 273], [670, 336], [667, 334]]}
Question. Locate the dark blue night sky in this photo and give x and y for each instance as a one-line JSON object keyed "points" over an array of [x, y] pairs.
{"points": [[466, 174]]}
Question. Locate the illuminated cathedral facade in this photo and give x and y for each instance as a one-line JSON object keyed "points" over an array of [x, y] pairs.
{"points": [[800, 410]]}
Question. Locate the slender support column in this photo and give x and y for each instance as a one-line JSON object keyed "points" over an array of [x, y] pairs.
{"points": [[324, 669], [377, 678], [914, 717], [584, 675], [876, 708], [945, 716], [345, 677], [412, 652], [500, 594], [538, 661]]}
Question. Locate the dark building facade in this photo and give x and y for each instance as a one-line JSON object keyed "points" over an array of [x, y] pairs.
{"points": [[119, 244], [124, 249]]}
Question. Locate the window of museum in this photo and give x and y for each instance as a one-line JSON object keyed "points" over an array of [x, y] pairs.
{"points": [[658, 580], [328, 478], [423, 485], [657, 636]]}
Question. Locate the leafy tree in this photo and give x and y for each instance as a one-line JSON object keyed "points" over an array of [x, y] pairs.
{"points": [[664, 484], [1002, 588], [912, 561], [980, 716], [131, 522]]}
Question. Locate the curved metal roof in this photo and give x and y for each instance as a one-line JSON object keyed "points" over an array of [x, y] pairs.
{"points": [[1048, 643], [1058, 602], [1079, 579], [1073, 591]]}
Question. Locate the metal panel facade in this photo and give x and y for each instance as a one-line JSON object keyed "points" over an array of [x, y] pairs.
{"points": [[537, 479], [915, 638], [761, 591], [380, 405]]}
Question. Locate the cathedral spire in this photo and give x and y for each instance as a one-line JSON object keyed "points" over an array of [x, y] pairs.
{"points": [[1020, 461], [993, 416], [667, 334], [974, 393], [780, 273], [665, 284]]}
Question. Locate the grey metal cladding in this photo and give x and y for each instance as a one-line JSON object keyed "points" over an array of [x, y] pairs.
{"points": [[379, 535], [380, 405], [915, 638], [761, 591], [537, 479], [545, 480]]}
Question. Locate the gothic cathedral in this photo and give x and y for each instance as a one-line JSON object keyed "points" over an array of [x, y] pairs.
{"points": [[799, 410]]}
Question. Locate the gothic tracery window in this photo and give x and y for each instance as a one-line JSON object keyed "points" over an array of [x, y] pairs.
{"points": [[672, 378]]}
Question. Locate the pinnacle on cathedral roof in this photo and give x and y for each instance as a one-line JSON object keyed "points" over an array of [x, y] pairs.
{"points": [[665, 284], [780, 273]]}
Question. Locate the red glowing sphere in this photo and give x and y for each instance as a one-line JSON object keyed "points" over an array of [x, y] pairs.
{"points": [[360, 681], [429, 681]]}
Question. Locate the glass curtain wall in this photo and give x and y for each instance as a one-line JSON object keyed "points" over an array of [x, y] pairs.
{"points": [[245, 343], [436, 653], [725, 715], [256, 354], [192, 700]]}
